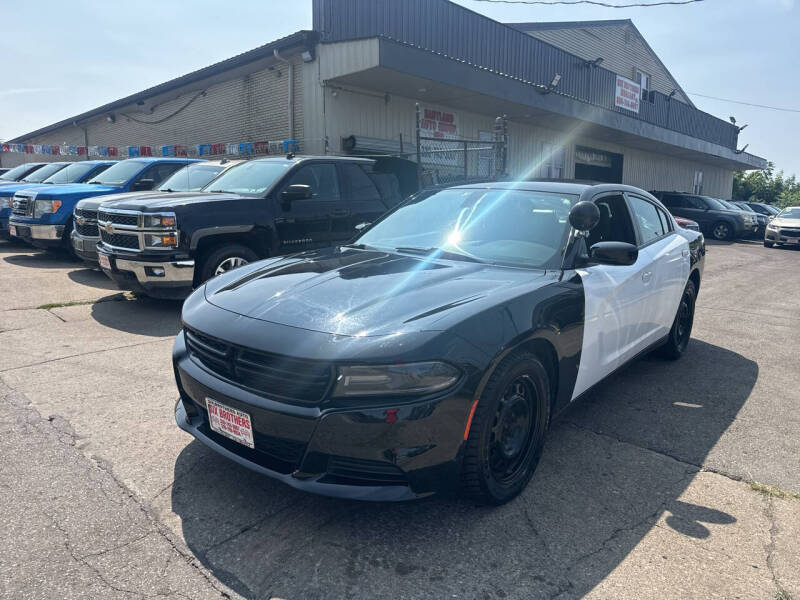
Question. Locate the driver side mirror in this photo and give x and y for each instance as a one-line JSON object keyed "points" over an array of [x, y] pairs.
{"points": [[614, 253], [362, 226], [143, 185], [297, 191]]}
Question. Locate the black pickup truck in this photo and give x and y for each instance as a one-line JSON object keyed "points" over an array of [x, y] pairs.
{"points": [[165, 246]]}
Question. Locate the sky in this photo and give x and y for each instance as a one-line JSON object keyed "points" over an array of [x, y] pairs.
{"points": [[59, 59]]}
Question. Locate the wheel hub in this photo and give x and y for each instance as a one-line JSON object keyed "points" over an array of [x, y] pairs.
{"points": [[512, 429], [230, 263]]}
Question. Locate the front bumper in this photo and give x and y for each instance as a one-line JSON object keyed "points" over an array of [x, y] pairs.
{"points": [[782, 237], [85, 247], [378, 452], [38, 235], [158, 278]]}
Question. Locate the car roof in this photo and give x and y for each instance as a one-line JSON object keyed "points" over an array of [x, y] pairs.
{"points": [[149, 159], [304, 158], [559, 187]]}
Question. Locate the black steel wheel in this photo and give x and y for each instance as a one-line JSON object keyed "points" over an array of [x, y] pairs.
{"points": [[681, 330], [508, 429]]}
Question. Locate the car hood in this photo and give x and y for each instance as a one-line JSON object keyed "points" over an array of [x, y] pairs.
{"points": [[74, 189], [784, 222], [362, 293], [110, 200], [150, 201]]}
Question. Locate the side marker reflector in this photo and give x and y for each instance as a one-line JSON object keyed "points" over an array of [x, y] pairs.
{"points": [[469, 419]]}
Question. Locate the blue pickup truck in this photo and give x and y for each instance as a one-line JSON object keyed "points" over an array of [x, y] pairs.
{"points": [[19, 172], [50, 174], [42, 216]]}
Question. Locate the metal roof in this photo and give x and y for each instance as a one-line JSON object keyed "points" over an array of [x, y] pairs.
{"points": [[299, 38]]}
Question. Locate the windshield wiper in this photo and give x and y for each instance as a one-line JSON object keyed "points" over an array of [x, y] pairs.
{"points": [[95, 182], [447, 254], [217, 191]]}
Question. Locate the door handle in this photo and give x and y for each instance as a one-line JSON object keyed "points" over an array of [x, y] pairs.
{"points": [[647, 276]]}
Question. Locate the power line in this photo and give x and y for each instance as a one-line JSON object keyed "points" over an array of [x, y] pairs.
{"points": [[595, 3], [791, 110]]}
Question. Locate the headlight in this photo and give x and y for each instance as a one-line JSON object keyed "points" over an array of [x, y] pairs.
{"points": [[772, 227], [167, 220], [45, 207], [167, 240], [394, 380]]}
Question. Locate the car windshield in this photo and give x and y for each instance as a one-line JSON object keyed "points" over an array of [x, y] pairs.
{"points": [[71, 173], [39, 175], [15, 173], [190, 178], [715, 204], [772, 209], [507, 227], [790, 213], [728, 205], [120, 173], [250, 178]]}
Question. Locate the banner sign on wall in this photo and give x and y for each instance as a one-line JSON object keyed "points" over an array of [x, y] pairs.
{"points": [[628, 94], [438, 123], [246, 148]]}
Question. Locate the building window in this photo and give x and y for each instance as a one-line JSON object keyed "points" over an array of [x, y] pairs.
{"points": [[697, 187], [552, 165]]}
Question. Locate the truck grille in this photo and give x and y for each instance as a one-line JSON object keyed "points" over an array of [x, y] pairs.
{"points": [[795, 232], [118, 218], [120, 240], [89, 226], [22, 205], [275, 376]]}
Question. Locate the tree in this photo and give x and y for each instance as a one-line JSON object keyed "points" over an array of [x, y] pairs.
{"points": [[766, 186]]}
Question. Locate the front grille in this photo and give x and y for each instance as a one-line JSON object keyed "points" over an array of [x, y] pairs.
{"points": [[790, 232], [89, 215], [21, 206], [118, 219], [120, 240], [275, 376], [87, 229], [356, 471]]}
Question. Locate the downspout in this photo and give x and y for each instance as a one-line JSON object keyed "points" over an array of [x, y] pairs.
{"points": [[290, 70]]}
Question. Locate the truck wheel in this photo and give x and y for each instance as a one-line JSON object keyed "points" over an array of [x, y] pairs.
{"points": [[722, 231], [224, 258], [768, 244]]}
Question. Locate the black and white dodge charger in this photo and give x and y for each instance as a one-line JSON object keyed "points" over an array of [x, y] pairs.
{"points": [[432, 352]]}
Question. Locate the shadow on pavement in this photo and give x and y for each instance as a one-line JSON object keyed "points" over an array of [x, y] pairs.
{"points": [[42, 259], [93, 278], [596, 494], [143, 316]]}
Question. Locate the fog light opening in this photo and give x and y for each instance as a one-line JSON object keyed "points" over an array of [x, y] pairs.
{"points": [[155, 271]]}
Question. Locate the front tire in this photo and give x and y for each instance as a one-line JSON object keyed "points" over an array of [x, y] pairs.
{"points": [[507, 433], [681, 330], [722, 231], [224, 258], [768, 244]]}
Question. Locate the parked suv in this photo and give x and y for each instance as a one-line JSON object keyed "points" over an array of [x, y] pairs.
{"points": [[750, 221], [165, 245], [43, 217], [52, 174], [190, 178], [715, 220], [761, 220]]}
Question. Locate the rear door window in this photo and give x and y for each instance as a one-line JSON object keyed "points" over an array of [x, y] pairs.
{"points": [[358, 184], [647, 219]]}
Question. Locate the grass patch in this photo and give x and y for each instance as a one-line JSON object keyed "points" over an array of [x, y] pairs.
{"points": [[782, 595], [63, 304], [768, 490]]}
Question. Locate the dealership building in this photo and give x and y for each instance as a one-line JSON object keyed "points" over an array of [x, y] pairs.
{"points": [[433, 83]]}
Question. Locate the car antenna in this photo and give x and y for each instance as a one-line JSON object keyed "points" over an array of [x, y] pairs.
{"points": [[290, 156]]}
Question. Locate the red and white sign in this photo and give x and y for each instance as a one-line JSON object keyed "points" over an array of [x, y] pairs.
{"points": [[438, 123], [230, 422], [628, 95]]}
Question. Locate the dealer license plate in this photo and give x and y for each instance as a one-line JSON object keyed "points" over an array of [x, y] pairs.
{"points": [[792, 240], [12, 230], [104, 262], [77, 244], [231, 423]]}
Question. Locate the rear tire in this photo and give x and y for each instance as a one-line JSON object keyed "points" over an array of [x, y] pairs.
{"points": [[722, 231], [768, 244], [681, 330], [508, 430], [224, 258]]}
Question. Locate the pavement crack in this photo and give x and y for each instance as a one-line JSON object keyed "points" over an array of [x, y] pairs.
{"points": [[52, 360], [769, 513]]}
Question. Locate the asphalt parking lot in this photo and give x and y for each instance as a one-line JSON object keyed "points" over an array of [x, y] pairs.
{"points": [[645, 489]]}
